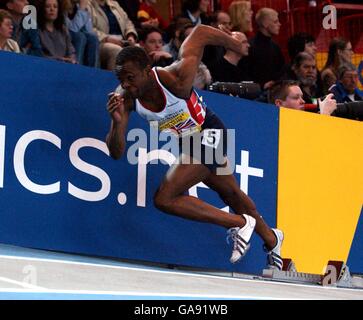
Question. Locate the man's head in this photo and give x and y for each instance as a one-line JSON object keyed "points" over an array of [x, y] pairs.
{"points": [[304, 66], [241, 37], [221, 18], [301, 42], [151, 39], [133, 69], [268, 22], [348, 76], [6, 25], [287, 94], [16, 7]]}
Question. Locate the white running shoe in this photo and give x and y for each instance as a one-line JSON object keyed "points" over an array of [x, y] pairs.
{"points": [[274, 260], [241, 238]]}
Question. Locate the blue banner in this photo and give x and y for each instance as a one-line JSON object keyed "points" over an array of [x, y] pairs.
{"points": [[60, 190]]}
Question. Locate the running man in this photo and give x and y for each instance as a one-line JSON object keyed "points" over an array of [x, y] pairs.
{"points": [[163, 94]]}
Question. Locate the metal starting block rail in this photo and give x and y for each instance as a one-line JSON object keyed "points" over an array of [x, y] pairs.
{"points": [[337, 274]]}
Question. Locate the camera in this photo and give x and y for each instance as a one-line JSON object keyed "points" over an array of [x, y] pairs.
{"points": [[244, 89]]}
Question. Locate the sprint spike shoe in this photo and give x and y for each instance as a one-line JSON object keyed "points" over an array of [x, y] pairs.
{"points": [[241, 237], [274, 260]]}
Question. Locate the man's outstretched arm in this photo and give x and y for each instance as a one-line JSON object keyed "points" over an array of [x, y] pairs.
{"points": [[191, 53]]}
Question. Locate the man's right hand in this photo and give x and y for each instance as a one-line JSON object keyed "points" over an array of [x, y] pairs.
{"points": [[328, 105], [115, 106]]}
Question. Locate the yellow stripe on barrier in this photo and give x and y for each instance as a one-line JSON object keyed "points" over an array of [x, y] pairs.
{"points": [[320, 191]]}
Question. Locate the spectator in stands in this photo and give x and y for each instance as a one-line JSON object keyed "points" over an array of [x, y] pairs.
{"points": [[177, 31], [346, 88], [196, 11], [148, 16], [265, 61], [152, 41], [301, 42], [79, 23], [340, 51], [113, 27], [15, 8], [213, 54], [221, 18], [241, 16], [305, 71], [54, 35], [6, 31], [226, 68]]}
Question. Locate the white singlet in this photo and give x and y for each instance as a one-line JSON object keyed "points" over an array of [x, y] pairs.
{"points": [[178, 116]]}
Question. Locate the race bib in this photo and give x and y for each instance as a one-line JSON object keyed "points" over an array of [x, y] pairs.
{"points": [[211, 137]]}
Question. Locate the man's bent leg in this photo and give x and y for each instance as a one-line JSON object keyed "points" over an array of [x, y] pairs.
{"points": [[170, 197], [228, 189]]}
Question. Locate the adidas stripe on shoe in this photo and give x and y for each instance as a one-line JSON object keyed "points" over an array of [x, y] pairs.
{"points": [[241, 238]]}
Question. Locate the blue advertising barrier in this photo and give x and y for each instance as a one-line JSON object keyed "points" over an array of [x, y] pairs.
{"points": [[60, 190]]}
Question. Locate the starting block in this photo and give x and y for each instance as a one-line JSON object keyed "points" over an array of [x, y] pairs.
{"points": [[337, 274]]}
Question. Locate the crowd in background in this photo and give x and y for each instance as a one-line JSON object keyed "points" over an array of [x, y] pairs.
{"points": [[93, 32]]}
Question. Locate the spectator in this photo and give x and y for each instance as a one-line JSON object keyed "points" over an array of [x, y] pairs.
{"points": [[152, 41], [304, 70], [148, 16], [213, 54], [112, 26], [54, 35], [221, 18], [265, 60], [196, 11], [346, 88], [226, 68], [6, 31], [241, 16], [340, 51], [301, 42], [177, 30], [79, 23], [15, 7]]}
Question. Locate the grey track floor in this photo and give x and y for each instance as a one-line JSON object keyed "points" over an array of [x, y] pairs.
{"points": [[37, 274]]}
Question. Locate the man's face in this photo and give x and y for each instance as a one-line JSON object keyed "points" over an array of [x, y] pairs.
{"points": [[153, 42], [203, 5], [51, 10], [307, 72], [243, 39], [272, 24], [16, 6], [6, 28], [294, 99], [225, 20], [310, 48], [350, 81], [133, 79]]}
